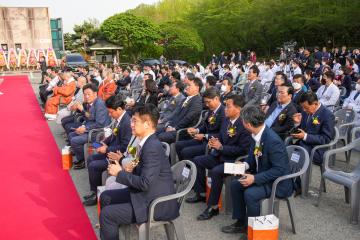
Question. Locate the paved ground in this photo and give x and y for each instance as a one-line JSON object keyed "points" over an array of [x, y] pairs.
{"points": [[327, 222]]}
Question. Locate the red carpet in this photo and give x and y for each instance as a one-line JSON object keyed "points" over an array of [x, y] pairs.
{"points": [[38, 200]]}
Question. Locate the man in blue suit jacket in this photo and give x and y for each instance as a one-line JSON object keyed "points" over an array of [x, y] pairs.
{"points": [[149, 177], [316, 123], [96, 117], [187, 116], [188, 149], [267, 161], [232, 141], [117, 143]]}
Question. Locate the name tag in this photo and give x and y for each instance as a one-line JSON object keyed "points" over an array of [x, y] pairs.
{"points": [[234, 168], [186, 172], [295, 157]]}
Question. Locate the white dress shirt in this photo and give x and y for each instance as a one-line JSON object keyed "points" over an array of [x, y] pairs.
{"points": [[352, 103], [330, 96], [257, 139]]}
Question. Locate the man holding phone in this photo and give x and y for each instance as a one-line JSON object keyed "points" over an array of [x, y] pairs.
{"points": [[316, 127], [267, 161], [111, 149], [188, 149]]}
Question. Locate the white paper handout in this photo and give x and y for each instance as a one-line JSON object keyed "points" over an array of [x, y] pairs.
{"points": [[234, 168]]}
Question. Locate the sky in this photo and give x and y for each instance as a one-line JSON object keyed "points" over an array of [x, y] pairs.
{"points": [[76, 11]]}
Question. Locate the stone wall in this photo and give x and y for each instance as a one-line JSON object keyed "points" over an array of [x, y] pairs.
{"points": [[29, 27]]}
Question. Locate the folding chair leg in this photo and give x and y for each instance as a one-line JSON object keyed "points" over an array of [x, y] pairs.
{"points": [[347, 194], [348, 157], [322, 172], [276, 210], [86, 153], [179, 229], [127, 231], [169, 229], [306, 184], [354, 203], [173, 155], [320, 191], [289, 202], [228, 200], [144, 234]]}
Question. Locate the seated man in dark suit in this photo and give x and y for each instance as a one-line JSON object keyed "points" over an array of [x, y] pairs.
{"points": [[232, 141], [188, 115], [96, 117], [267, 161], [148, 178], [172, 106], [125, 81], [316, 125], [117, 143], [279, 116], [253, 89], [188, 149]]}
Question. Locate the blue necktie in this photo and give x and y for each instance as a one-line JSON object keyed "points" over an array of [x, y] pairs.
{"points": [[271, 119]]}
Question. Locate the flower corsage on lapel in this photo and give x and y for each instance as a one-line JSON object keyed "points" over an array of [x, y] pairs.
{"points": [[282, 117], [212, 120], [132, 151], [253, 88], [185, 104], [258, 151], [231, 131], [315, 120], [136, 155], [173, 102], [115, 131]]}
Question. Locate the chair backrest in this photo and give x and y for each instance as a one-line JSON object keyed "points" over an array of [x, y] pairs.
{"points": [[184, 175], [203, 116], [354, 133], [343, 116], [266, 86], [265, 97], [342, 91], [167, 148], [299, 159], [355, 144], [299, 163]]}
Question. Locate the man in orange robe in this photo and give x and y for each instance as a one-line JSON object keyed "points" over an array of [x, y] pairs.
{"points": [[108, 87], [62, 95]]}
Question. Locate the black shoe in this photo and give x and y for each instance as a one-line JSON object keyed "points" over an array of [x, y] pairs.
{"points": [[208, 214], [197, 198], [90, 201], [79, 165], [86, 197], [237, 227]]}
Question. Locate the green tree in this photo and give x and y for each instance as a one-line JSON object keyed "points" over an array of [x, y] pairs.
{"points": [[83, 36], [181, 41], [134, 33]]}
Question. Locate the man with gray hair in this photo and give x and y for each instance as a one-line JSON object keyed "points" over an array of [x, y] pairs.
{"points": [[267, 161]]}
